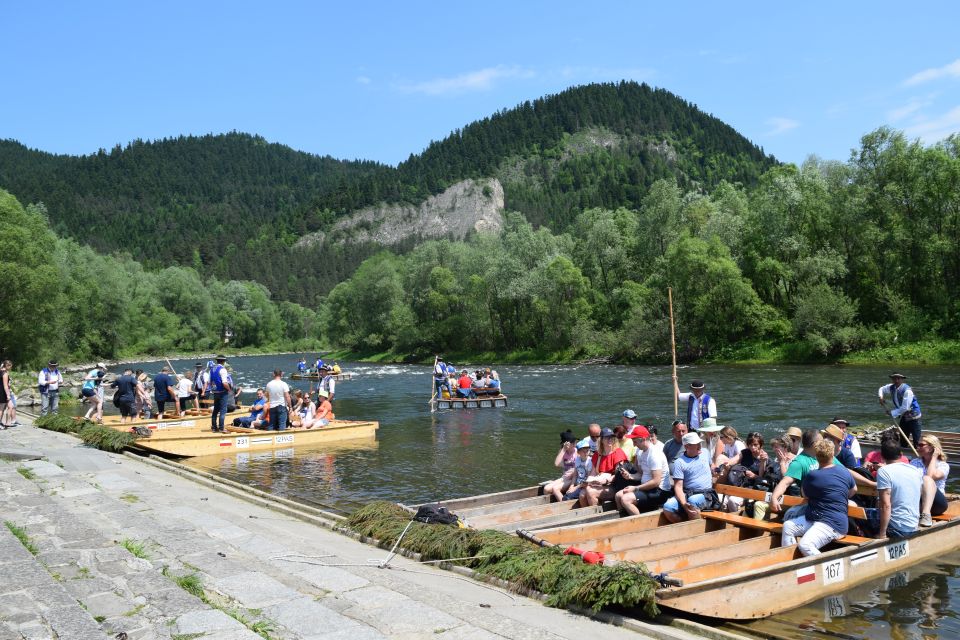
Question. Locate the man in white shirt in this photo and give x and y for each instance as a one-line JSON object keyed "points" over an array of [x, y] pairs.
{"points": [[700, 405], [655, 483], [278, 401]]}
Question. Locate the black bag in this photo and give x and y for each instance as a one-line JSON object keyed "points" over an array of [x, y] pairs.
{"points": [[435, 514], [116, 399], [737, 476]]}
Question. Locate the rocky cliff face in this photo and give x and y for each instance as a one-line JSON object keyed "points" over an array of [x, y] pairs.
{"points": [[470, 205]]}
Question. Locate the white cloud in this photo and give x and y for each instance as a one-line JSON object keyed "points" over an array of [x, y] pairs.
{"points": [[780, 125], [911, 108], [482, 80], [935, 129], [951, 70], [363, 80]]}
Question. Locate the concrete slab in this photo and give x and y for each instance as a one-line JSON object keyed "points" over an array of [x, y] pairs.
{"points": [[205, 622], [113, 481], [327, 578], [306, 616], [255, 590], [44, 469]]}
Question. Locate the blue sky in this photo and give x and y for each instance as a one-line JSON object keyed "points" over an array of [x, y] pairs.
{"points": [[379, 81]]}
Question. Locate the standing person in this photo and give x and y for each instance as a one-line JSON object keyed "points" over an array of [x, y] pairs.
{"points": [[692, 482], [278, 401], [329, 384], [440, 379], [184, 391], [933, 464], [899, 487], [48, 383], [302, 366], [163, 389], [700, 405], [906, 409], [10, 420], [128, 388], [5, 392], [827, 490], [143, 403], [221, 384], [199, 384], [92, 392]]}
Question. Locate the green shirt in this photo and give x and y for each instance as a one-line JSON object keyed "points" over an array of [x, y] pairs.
{"points": [[802, 465]]}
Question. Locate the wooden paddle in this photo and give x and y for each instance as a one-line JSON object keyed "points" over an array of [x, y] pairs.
{"points": [[673, 349], [172, 369], [433, 385], [903, 435]]}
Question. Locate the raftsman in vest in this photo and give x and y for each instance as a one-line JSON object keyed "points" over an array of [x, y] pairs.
{"points": [[704, 407], [897, 393], [216, 382]]}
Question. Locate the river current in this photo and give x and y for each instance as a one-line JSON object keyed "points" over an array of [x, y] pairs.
{"points": [[420, 456]]}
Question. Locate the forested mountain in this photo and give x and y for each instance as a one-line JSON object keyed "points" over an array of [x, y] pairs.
{"points": [[233, 205]]}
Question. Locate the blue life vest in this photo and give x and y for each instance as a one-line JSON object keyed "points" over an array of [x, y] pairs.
{"points": [[440, 371], [897, 395], [319, 364], [848, 444], [216, 383], [301, 366], [704, 408]]}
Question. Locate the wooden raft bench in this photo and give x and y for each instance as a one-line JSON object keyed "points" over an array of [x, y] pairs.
{"points": [[768, 525]]}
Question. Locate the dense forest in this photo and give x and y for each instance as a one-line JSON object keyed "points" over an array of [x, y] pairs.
{"points": [[232, 206], [824, 258], [613, 194]]}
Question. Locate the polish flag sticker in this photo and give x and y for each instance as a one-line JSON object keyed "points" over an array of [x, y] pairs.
{"points": [[807, 574], [226, 443]]}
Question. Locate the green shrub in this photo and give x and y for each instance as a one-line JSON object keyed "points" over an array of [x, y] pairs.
{"points": [[566, 580]]}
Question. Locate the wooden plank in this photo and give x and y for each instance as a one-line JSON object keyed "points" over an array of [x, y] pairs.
{"points": [[732, 566], [631, 524], [469, 502], [688, 546], [644, 538], [524, 512], [507, 505], [742, 521], [711, 554]]}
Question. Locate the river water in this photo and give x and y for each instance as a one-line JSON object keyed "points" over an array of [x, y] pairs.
{"points": [[419, 456]]}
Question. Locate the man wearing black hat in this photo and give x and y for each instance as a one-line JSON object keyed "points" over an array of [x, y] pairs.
{"points": [[48, 383], [906, 409], [700, 405], [221, 384]]}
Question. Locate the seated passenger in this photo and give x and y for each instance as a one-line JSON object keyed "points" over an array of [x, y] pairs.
{"points": [[583, 467], [834, 435], [336, 368], [599, 487], [692, 482], [565, 460], [304, 414], [465, 386], [625, 440], [935, 468], [655, 483], [899, 487], [324, 412], [254, 420], [827, 489]]}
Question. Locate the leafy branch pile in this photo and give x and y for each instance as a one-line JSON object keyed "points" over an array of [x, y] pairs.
{"points": [[566, 580], [93, 434]]}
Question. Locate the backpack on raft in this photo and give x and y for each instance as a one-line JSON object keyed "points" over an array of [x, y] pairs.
{"points": [[435, 514]]}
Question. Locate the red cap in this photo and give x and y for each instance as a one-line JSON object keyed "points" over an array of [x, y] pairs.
{"points": [[639, 431]]}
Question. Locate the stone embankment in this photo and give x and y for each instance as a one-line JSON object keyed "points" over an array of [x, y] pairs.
{"points": [[99, 545]]}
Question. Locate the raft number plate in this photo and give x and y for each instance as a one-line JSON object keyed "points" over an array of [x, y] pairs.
{"points": [[286, 438], [833, 572], [243, 442], [897, 550]]}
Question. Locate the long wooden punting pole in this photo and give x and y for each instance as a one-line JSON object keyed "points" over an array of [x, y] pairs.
{"points": [[433, 385], [673, 349]]}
